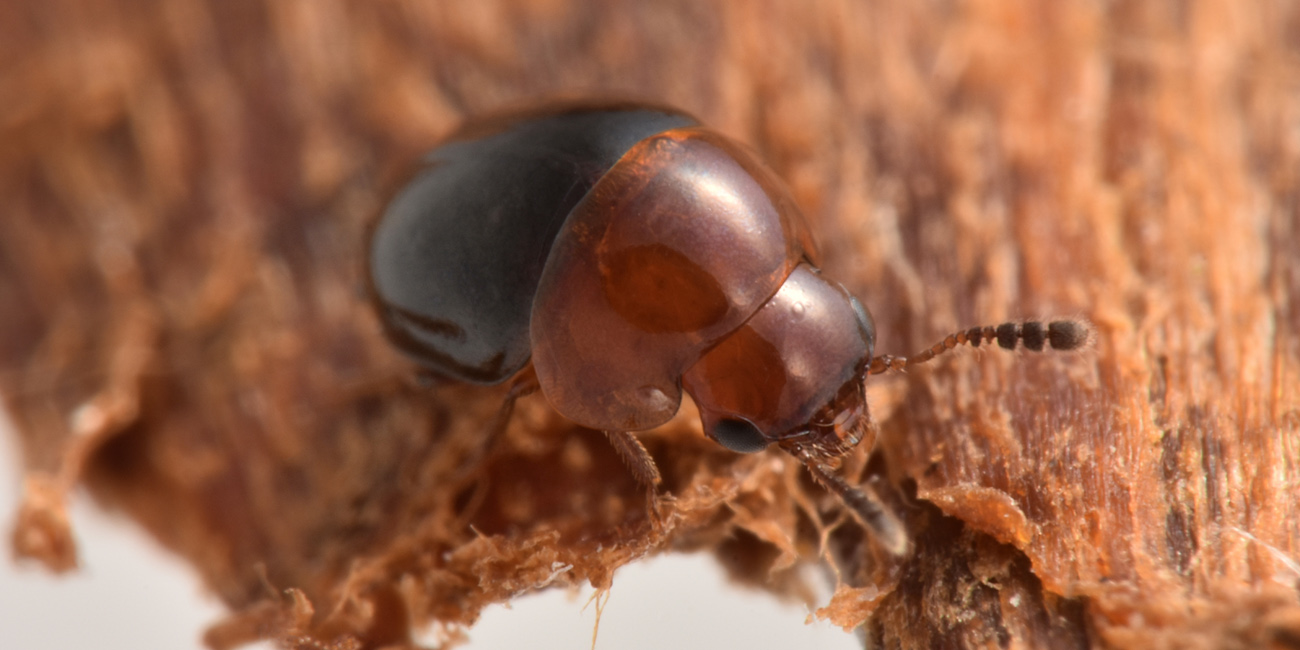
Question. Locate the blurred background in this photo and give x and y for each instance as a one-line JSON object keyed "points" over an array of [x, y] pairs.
{"points": [[189, 362]]}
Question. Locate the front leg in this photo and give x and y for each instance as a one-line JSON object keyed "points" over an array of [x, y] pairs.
{"points": [[643, 468]]}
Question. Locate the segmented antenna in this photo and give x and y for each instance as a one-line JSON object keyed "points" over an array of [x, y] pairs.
{"points": [[1060, 335]]}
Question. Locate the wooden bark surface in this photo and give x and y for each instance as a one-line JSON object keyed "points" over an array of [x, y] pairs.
{"points": [[186, 187]]}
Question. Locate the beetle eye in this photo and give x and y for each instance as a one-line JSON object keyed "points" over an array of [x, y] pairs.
{"points": [[739, 436], [866, 325]]}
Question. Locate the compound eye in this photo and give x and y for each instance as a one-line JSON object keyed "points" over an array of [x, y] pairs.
{"points": [[739, 436], [866, 325]]}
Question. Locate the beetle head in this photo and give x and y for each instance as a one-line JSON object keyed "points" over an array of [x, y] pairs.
{"points": [[793, 374]]}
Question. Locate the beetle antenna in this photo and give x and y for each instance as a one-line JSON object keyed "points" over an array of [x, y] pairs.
{"points": [[1059, 335], [865, 506]]}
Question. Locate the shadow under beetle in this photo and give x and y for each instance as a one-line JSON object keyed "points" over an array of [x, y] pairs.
{"points": [[624, 254]]}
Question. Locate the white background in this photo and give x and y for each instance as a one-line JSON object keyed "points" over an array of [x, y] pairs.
{"points": [[130, 593]]}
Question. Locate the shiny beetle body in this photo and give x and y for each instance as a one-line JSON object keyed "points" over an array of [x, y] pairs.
{"points": [[628, 254]]}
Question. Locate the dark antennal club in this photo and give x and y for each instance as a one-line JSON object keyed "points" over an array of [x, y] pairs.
{"points": [[1034, 335], [862, 501]]}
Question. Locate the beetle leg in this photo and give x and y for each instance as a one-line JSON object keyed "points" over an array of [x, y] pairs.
{"points": [[863, 502], [636, 457], [523, 385], [643, 468]]}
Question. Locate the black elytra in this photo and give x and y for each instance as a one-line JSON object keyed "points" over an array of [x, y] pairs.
{"points": [[457, 256]]}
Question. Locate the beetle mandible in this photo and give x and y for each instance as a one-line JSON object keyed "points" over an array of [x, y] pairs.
{"points": [[626, 254]]}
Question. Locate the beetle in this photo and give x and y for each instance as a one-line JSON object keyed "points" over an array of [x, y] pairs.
{"points": [[617, 255]]}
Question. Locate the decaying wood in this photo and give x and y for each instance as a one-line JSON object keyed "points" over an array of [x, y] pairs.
{"points": [[186, 187]]}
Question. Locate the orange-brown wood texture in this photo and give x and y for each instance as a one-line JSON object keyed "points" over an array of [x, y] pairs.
{"points": [[186, 187]]}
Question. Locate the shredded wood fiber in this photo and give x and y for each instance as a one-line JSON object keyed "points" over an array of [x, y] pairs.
{"points": [[186, 187]]}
